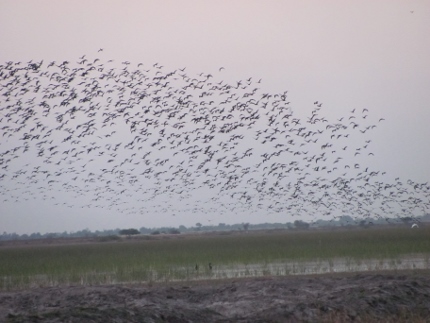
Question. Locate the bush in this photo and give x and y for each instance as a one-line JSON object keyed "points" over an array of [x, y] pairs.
{"points": [[129, 232]]}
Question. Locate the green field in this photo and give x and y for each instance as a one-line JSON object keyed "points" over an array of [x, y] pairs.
{"points": [[148, 259]]}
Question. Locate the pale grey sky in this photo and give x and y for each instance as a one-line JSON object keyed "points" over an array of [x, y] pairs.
{"points": [[346, 54]]}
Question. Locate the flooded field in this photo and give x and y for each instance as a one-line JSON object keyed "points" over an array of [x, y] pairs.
{"points": [[220, 272], [187, 258]]}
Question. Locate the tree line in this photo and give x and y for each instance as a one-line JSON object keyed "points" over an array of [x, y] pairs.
{"points": [[296, 225]]}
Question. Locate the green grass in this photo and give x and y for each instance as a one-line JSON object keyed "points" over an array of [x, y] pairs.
{"points": [[164, 259]]}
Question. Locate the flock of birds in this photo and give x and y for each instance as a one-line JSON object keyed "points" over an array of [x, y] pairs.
{"points": [[137, 139]]}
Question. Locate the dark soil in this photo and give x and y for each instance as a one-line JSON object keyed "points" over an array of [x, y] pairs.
{"points": [[362, 297]]}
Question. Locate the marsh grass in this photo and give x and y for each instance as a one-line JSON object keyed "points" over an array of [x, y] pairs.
{"points": [[239, 255]]}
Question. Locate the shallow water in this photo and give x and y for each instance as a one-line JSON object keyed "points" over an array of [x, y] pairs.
{"points": [[334, 266], [285, 268]]}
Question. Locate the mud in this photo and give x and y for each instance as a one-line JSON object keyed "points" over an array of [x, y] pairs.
{"points": [[360, 297]]}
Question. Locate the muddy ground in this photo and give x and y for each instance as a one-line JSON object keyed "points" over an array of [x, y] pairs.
{"points": [[360, 297]]}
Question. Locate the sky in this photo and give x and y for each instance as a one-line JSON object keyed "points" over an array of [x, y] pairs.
{"points": [[347, 55]]}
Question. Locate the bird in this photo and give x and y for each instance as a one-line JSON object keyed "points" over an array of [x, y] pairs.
{"points": [[113, 134]]}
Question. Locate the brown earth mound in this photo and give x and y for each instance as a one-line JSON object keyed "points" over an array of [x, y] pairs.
{"points": [[361, 297]]}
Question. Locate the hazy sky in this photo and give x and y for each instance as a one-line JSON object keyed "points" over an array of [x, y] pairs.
{"points": [[348, 55]]}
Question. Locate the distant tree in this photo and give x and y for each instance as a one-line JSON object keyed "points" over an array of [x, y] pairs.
{"points": [[155, 232], [364, 224], [199, 226], [345, 220], [144, 230], [50, 235], [406, 219], [129, 232], [84, 233], [245, 226], [425, 217], [174, 231], [299, 224], [322, 223], [35, 235]]}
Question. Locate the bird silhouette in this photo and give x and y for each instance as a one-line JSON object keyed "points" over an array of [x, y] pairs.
{"points": [[155, 141]]}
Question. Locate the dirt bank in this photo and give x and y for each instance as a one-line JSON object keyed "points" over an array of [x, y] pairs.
{"points": [[360, 297]]}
